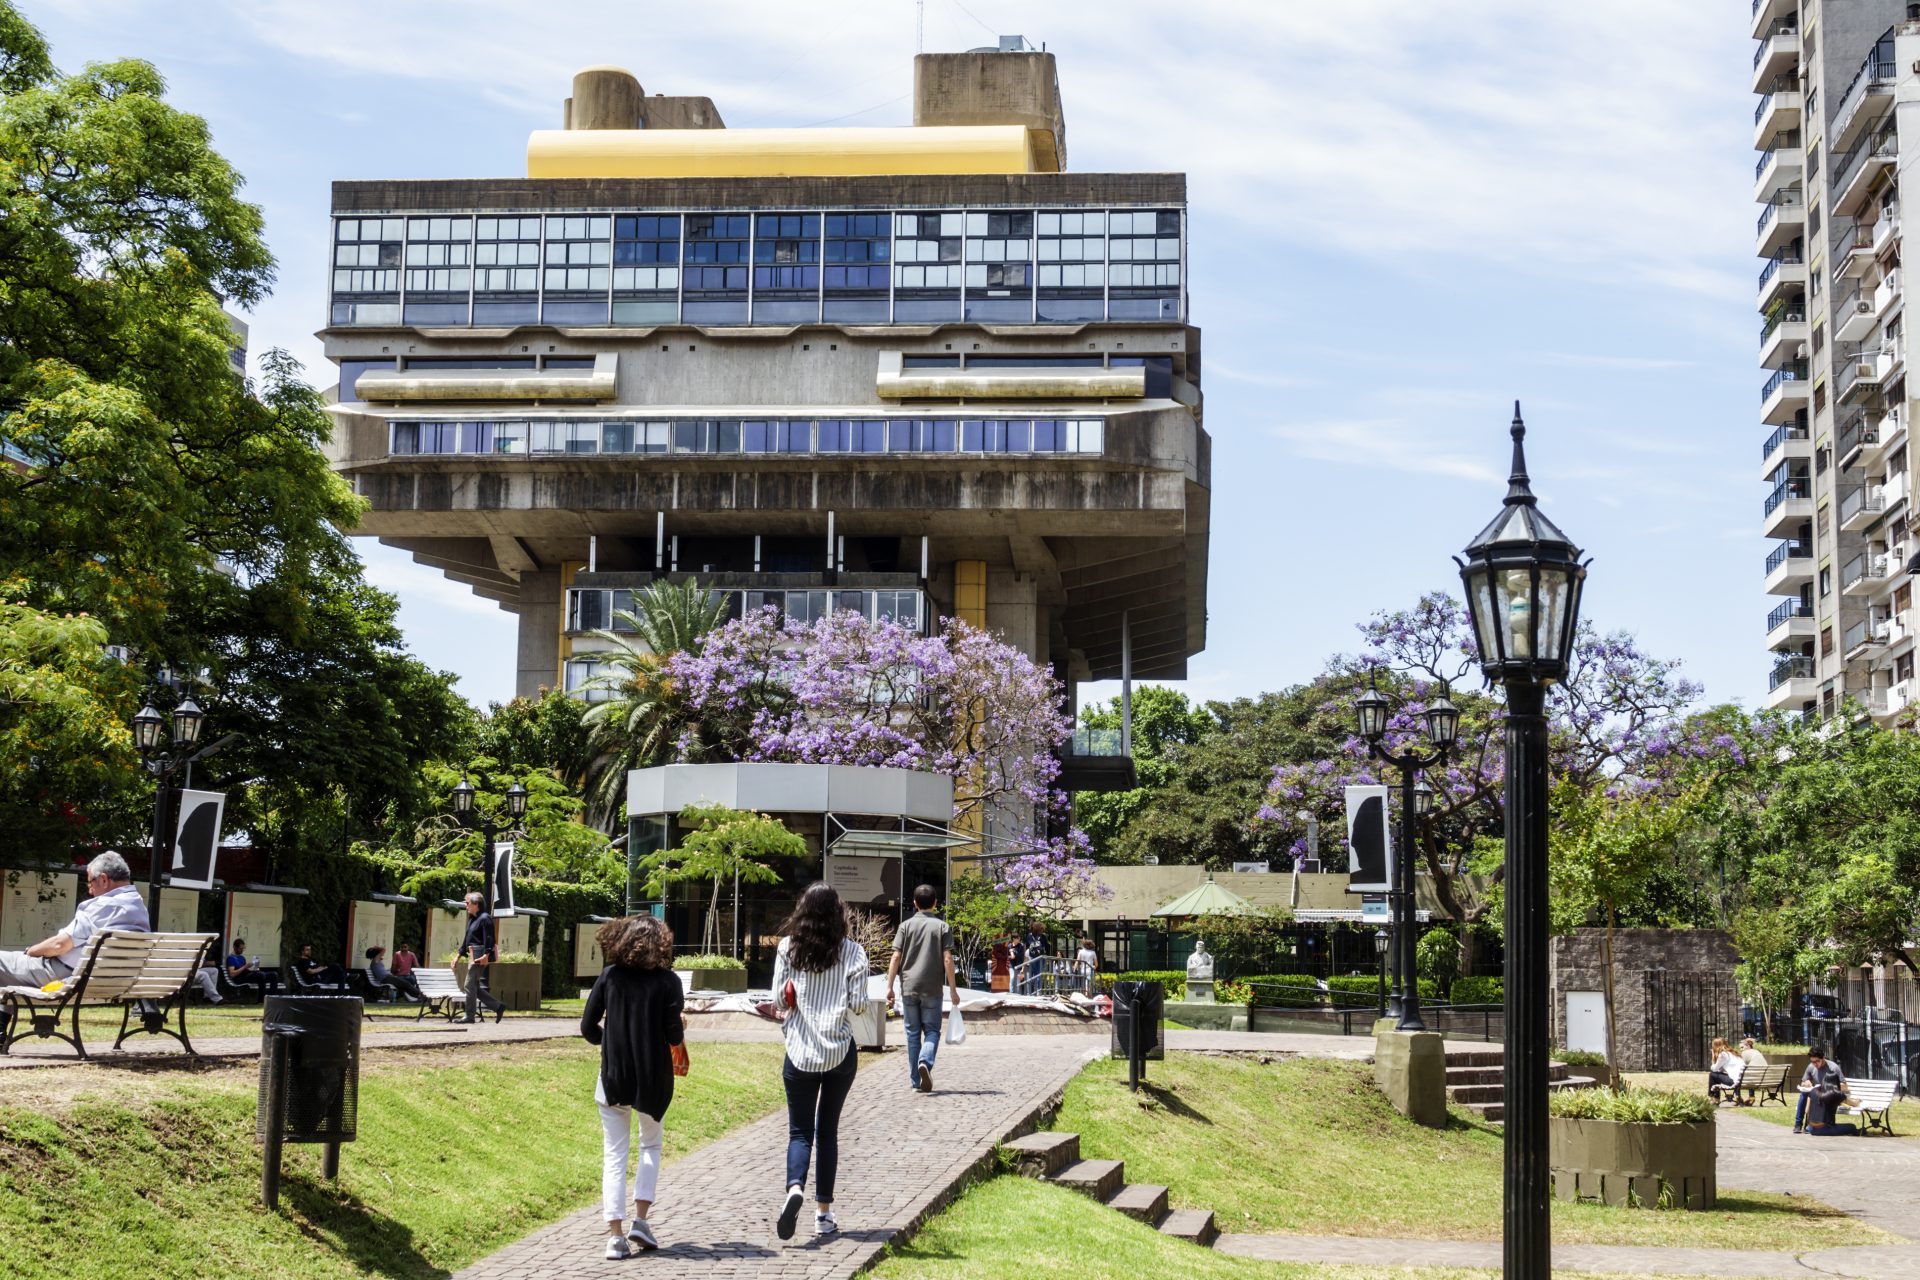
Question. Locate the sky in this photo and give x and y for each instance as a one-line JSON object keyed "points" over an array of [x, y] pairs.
{"points": [[1402, 219]]}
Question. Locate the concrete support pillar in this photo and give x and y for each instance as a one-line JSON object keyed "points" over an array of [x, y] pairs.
{"points": [[541, 619], [970, 592]]}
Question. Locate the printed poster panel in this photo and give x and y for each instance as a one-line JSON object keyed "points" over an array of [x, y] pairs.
{"points": [[445, 929], [196, 840], [369, 924], [255, 917], [35, 906], [179, 909], [588, 959], [870, 882], [1370, 848], [514, 934]]}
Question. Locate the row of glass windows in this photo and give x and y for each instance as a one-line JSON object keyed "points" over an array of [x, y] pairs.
{"points": [[599, 608], [1015, 266], [753, 435]]}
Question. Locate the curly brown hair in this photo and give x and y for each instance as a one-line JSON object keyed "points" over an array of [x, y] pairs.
{"points": [[637, 942]]}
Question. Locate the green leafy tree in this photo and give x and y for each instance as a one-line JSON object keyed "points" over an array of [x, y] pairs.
{"points": [[550, 841], [646, 720], [549, 731], [61, 734], [724, 845], [1163, 722], [1243, 942], [977, 913], [1437, 958]]}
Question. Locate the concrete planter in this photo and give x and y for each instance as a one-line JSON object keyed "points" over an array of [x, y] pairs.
{"points": [[732, 981], [1640, 1165], [1795, 1063], [870, 1028], [517, 986]]}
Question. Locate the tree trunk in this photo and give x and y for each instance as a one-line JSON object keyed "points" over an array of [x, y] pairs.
{"points": [[710, 936], [1606, 975]]}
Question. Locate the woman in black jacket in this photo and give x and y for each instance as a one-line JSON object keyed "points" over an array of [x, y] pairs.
{"points": [[639, 999]]}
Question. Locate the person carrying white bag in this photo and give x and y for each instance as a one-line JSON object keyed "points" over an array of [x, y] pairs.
{"points": [[956, 1029], [922, 955]]}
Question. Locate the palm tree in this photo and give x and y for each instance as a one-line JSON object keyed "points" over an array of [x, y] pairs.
{"points": [[644, 720]]}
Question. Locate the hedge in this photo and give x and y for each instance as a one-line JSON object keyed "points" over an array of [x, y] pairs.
{"points": [[1172, 981], [1479, 990], [1285, 990]]}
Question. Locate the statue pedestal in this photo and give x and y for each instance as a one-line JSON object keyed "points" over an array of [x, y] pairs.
{"points": [[1199, 990]]}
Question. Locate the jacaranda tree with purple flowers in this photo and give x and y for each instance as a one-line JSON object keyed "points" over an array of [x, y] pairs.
{"points": [[844, 690], [1619, 713]]}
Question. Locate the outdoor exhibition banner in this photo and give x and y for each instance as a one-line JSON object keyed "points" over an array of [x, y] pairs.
{"points": [[502, 904], [196, 838], [1369, 842]]}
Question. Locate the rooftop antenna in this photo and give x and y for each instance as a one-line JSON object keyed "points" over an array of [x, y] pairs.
{"points": [[920, 26]]}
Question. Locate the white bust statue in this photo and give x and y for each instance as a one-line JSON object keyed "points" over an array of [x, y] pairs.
{"points": [[1199, 964]]}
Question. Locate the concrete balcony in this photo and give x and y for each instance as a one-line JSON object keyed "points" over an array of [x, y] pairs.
{"points": [[1096, 761], [1789, 569], [1853, 251], [1779, 108], [1789, 506], [1865, 572], [1889, 296], [1790, 441], [1791, 682], [1863, 639], [1781, 222], [1790, 625], [1859, 435], [1783, 339], [1857, 172], [1859, 376], [1854, 317], [1782, 164], [1785, 275], [1861, 507], [1888, 702], [1865, 99], [1886, 232], [1784, 395], [1769, 14], [1777, 54]]}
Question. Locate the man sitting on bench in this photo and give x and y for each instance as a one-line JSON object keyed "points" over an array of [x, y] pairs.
{"points": [[112, 903]]}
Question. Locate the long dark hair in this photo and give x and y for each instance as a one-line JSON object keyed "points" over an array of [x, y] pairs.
{"points": [[816, 928]]}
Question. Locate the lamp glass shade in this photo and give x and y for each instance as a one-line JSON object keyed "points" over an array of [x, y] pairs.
{"points": [[149, 730], [1371, 710], [1479, 584], [517, 800], [1422, 798], [1379, 942], [1443, 722], [187, 719], [463, 796]]}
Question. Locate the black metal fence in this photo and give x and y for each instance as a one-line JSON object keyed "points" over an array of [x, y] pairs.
{"points": [[1347, 1013], [1683, 1014]]}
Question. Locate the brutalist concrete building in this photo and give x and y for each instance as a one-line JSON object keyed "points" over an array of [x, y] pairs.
{"points": [[917, 372]]}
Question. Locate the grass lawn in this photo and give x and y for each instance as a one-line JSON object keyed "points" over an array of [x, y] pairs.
{"points": [[134, 1174], [1011, 1226], [1904, 1109], [100, 1024], [1311, 1146]]}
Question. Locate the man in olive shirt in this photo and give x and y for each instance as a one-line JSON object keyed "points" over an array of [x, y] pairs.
{"points": [[922, 955]]}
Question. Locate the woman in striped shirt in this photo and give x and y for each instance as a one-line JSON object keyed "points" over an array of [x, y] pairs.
{"points": [[820, 980]]}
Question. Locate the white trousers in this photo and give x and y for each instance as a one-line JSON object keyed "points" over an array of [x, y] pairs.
{"points": [[616, 1126], [208, 986]]}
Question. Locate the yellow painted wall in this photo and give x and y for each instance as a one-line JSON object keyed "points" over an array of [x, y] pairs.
{"points": [[567, 569], [787, 153], [970, 592]]}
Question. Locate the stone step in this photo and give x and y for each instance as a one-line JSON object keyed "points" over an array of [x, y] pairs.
{"points": [[1098, 1178], [1141, 1200], [1041, 1155], [1473, 1075], [1193, 1225], [1492, 1112], [1469, 1094]]}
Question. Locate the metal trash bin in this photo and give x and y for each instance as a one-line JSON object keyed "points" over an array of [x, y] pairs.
{"points": [[309, 1080], [1141, 1004]]}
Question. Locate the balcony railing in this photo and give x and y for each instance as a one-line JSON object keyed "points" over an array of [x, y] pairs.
{"points": [[1790, 373], [1857, 433], [1096, 742], [1791, 314], [1788, 199], [1780, 84], [1859, 634], [1875, 69], [1788, 610], [599, 608], [1863, 566], [1794, 488], [1863, 500], [1798, 667], [1785, 140], [1788, 28], [1792, 431], [1884, 144], [1785, 257], [1788, 550]]}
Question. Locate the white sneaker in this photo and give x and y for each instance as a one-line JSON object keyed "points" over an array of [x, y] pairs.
{"points": [[824, 1225], [790, 1213], [639, 1233], [617, 1248]]}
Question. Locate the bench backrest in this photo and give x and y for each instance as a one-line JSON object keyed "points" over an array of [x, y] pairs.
{"points": [[438, 982], [119, 965], [1770, 1076], [1871, 1093]]}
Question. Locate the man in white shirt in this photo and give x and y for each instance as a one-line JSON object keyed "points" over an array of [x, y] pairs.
{"points": [[112, 903]]}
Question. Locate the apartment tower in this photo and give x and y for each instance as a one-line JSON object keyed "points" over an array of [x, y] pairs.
{"points": [[1835, 78]]}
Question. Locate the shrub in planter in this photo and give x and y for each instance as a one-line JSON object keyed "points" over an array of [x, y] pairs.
{"points": [[1172, 981], [1586, 1058], [1632, 1147], [513, 979], [1232, 991], [711, 972]]}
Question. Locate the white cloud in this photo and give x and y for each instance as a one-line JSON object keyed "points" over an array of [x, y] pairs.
{"points": [[1391, 442]]}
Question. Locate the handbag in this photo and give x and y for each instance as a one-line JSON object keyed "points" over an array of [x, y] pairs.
{"points": [[681, 1063], [956, 1028]]}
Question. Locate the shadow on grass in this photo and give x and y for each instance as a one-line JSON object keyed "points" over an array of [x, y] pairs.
{"points": [[373, 1242], [1173, 1103]]}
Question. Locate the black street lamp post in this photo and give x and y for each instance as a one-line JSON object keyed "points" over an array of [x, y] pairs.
{"points": [[483, 822], [1523, 578], [1442, 726], [163, 758], [1380, 956]]}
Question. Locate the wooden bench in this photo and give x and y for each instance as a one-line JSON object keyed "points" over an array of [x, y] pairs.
{"points": [[441, 993], [116, 967], [1872, 1101], [1767, 1084]]}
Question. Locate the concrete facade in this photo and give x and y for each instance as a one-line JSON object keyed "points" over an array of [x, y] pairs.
{"points": [[1066, 456]]}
